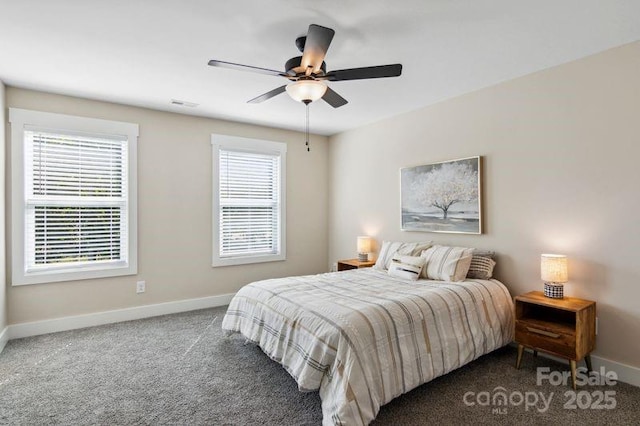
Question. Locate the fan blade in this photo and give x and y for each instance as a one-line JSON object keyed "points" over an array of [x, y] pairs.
{"points": [[333, 99], [268, 95], [315, 47], [379, 71], [240, 67]]}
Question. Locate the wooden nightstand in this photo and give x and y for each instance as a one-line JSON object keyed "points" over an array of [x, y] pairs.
{"points": [[344, 265], [562, 327]]}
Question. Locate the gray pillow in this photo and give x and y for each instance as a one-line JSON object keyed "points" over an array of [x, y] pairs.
{"points": [[481, 267]]}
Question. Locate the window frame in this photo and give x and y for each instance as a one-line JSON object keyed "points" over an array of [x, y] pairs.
{"points": [[236, 143], [21, 120]]}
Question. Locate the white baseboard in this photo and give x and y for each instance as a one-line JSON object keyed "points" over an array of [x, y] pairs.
{"points": [[626, 373], [26, 329], [4, 338]]}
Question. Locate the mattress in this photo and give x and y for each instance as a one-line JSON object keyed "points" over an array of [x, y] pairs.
{"points": [[362, 337]]}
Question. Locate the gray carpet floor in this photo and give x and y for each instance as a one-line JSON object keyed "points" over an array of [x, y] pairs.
{"points": [[182, 369]]}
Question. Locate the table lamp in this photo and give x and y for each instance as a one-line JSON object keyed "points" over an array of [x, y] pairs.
{"points": [[553, 271], [364, 248]]}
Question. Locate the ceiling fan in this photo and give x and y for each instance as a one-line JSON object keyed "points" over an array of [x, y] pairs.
{"points": [[307, 74]]}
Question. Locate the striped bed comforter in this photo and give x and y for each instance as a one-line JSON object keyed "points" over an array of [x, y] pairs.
{"points": [[362, 338]]}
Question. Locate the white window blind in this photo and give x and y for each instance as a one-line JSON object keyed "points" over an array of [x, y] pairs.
{"points": [[249, 203], [73, 197], [249, 212], [76, 206]]}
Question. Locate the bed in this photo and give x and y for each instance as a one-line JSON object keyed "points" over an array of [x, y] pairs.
{"points": [[362, 337]]}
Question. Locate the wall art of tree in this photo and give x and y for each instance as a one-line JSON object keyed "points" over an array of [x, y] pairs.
{"points": [[446, 185]]}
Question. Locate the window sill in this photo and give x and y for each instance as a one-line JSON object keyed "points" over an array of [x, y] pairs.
{"points": [[245, 260], [73, 274]]}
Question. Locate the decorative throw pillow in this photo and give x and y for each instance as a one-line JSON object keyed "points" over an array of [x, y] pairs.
{"points": [[484, 253], [447, 263], [481, 267], [391, 248], [408, 267]]}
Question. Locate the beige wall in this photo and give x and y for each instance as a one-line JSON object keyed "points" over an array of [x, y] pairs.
{"points": [[3, 304], [174, 213], [562, 155]]}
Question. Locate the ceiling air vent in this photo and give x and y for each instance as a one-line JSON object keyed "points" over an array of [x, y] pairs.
{"points": [[183, 103]]}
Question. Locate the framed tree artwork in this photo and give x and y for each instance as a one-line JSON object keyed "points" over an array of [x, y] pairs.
{"points": [[442, 197]]}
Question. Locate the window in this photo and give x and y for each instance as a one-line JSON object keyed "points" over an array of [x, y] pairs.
{"points": [[248, 200], [73, 197]]}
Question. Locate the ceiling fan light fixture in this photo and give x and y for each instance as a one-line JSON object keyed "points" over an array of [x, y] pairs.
{"points": [[307, 73], [306, 90]]}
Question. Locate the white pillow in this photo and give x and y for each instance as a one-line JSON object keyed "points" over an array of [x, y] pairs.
{"points": [[407, 267], [447, 263], [391, 248]]}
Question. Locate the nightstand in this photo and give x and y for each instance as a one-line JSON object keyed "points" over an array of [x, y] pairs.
{"points": [[562, 327], [344, 265]]}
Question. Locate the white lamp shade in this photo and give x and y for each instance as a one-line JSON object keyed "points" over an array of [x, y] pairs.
{"points": [[364, 244], [306, 90], [553, 268]]}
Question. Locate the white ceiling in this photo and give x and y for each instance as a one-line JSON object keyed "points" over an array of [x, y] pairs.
{"points": [[146, 53]]}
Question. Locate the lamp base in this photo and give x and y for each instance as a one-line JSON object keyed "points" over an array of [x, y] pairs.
{"points": [[554, 291], [363, 257]]}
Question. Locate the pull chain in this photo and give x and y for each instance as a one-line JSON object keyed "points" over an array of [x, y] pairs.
{"points": [[307, 129]]}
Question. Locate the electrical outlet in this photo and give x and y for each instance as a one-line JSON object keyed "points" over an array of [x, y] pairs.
{"points": [[334, 267], [596, 326], [141, 287]]}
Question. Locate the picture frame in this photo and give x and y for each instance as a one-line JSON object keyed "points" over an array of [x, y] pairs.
{"points": [[442, 197]]}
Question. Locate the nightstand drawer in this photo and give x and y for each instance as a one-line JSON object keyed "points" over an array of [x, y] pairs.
{"points": [[550, 339]]}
